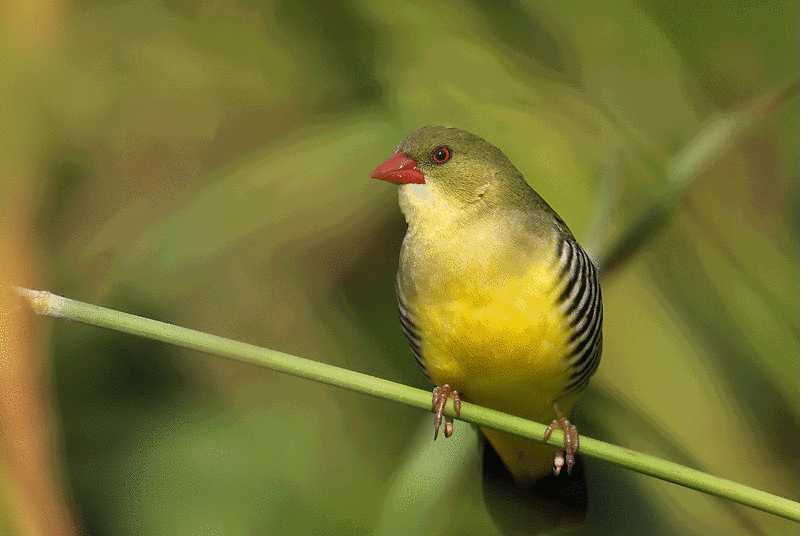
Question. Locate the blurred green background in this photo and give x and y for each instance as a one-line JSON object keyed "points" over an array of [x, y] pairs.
{"points": [[206, 163]]}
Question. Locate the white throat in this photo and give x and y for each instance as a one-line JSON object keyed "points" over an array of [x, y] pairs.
{"points": [[424, 205]]}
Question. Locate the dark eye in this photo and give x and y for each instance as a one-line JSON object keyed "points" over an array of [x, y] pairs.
{"points": [[440, 155]]}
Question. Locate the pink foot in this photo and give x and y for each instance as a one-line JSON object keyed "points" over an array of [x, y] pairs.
{"points": [[440, 398], [566, 457]]}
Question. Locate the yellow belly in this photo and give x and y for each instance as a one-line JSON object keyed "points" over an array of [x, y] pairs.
{"points": [[501, 344]]}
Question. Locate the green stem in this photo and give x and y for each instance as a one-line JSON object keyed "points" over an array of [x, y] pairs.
{"points": [[45, 303]]}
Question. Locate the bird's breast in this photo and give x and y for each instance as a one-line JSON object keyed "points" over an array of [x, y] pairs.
{"points": [[488, 323]]}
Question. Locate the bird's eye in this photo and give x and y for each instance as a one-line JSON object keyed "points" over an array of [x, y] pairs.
{"points": [[440, 155]]}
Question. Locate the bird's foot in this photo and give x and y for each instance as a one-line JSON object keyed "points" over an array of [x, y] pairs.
{"points": [[566, 457], [439, 399]]}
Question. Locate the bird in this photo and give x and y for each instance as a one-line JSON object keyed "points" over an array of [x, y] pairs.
{"points": [[499, 303]]}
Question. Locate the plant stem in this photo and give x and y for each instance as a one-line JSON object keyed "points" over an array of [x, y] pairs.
{"points": [[45, 303]]}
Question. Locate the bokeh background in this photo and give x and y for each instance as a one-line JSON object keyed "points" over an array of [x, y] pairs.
{"points": [[206, 163]]}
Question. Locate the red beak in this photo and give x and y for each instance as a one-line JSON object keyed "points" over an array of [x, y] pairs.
{"points": [[400, 169]]}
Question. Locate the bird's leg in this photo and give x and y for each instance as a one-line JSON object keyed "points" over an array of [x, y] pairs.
{"points": [[440, 398], [571, 441]]}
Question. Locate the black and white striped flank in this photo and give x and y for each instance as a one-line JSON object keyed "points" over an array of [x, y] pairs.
{"points": [[580, 301]]}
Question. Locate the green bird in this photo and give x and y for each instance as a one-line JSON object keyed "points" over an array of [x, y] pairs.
{"points": [[499, 303]]}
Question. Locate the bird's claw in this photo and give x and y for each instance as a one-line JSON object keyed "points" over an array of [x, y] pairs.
{"points": [[566, 457], [440, 396]]}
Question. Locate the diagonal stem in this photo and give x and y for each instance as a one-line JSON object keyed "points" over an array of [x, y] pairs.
{"points": [[45, 303]]}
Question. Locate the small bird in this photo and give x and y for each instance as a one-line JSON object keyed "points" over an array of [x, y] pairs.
{"points": [[499, 303]]}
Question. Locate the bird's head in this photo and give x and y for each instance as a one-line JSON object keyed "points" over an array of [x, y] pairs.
{"points": [[450, 164]]}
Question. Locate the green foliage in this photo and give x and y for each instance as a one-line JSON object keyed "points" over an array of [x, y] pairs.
{"points": [[211, 160]]}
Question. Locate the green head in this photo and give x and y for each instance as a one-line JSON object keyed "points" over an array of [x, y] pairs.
{"points": [[445, 168]]}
